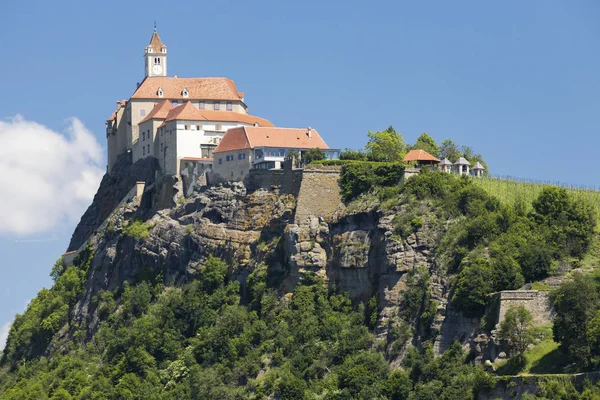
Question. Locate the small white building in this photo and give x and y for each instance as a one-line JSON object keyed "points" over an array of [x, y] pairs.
{"points": [[462, 166], [478, 169], [446, 165], [251, 147]]}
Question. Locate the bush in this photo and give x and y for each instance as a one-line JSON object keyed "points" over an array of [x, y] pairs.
{"points": [[137, 229], [360, 177], [472, 287]]}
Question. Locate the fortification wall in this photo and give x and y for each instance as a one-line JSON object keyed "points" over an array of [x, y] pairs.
{"points": [[319, 193], [288, 181], [537, 302]]}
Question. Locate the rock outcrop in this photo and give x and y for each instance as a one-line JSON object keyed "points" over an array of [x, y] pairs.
{"points": [[360, 253], [113, 188]]}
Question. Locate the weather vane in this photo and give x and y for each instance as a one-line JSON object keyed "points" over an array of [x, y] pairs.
{"points": [[154, 25]]}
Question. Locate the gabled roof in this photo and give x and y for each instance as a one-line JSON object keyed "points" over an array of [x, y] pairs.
{"points": [[188, 112], [462, 161], [445, 161], [185, 111], [419, 155], [156, 44], [249, 137], [160, 111], [198, 89], [228, 116], [478, 166]]}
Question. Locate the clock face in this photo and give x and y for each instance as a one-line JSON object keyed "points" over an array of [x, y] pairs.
{"points": [[157, 69]]}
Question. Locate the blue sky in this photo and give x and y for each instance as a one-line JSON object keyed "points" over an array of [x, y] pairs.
{"points": [[517, 81]]}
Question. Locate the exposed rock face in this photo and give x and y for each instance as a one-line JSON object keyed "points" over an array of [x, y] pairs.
{"points": [[359, 254], [113, 188]]}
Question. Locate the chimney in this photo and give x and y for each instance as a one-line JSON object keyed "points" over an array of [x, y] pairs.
{"points": [[309, 133], [176, 76]]}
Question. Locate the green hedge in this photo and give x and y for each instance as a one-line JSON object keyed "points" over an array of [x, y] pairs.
{"points": [[362, 176]]}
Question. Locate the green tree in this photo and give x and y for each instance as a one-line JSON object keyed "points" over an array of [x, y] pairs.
{"points": [[386, 145], [515, 330], [427, 143], [576, 304], [313, 155], [351, 154], [569, 223], [448, 149], [473, 285]]}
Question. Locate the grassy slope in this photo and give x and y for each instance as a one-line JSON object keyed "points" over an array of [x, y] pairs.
{"points": [[509, 191]]}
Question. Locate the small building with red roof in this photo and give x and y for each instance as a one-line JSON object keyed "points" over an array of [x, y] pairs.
{"points": [[419, 158], [249, 147]]}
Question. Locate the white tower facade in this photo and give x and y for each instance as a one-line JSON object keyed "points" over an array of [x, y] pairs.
{"points": [[155, 57]]}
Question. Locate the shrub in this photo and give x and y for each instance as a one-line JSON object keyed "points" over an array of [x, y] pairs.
{"points": [[137, 229], [472, 287]]}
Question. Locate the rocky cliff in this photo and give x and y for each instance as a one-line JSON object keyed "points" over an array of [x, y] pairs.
{"points": [[357, 252]]}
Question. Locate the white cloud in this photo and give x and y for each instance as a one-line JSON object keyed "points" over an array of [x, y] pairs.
{"points": [[4, 329], [46, 177]]}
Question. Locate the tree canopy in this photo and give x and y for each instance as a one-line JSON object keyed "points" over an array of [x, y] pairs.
{"points": [[387, 145]]}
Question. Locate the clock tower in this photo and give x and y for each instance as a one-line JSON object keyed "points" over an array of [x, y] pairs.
{"points": [[155, 57]]}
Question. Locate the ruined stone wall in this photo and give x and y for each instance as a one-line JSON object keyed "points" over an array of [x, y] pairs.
{"points": [[535, 301], [287, 181], [319, 193]]}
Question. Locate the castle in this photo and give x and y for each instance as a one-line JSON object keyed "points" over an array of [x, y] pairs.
{"points": [[182, 121]]}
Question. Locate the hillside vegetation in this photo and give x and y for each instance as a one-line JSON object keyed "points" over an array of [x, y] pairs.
{"points": [[235, 333]]}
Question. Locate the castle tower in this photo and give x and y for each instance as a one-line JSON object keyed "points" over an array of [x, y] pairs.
{"points": [[155, 57]]}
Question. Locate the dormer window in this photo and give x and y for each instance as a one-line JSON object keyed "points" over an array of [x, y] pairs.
{"points": [[184, 93], [164, 50], [160, 92]]}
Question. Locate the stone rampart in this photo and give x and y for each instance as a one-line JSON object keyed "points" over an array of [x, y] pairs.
{"points": [[319, 193], [287, 181], [537, 302]]}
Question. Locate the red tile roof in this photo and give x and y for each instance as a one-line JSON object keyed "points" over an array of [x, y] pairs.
{"points": [[197, 159], [198, 89], [156, 44], [189, 112], [159, 111], [419, 155], [249, 137]]}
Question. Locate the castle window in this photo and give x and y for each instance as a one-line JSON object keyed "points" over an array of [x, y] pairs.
{"points": [[220, 161], [198, 127], [187, 127], [164, 50], [241, 156], [229, 106], [216, 106], [143, 135], [201, 106], [144, 150], [160, 92], [184, 93], [218, 127], [142, 112], [175, 103], [148, 149], [161, 147]]}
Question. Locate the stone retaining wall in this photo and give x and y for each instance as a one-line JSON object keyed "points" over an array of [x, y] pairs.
{"points": [[288, 181], [319, 194], [537, 302]]}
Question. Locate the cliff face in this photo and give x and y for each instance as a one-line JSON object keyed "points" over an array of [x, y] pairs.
{"points": [[112, 189], [358, 253]]}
